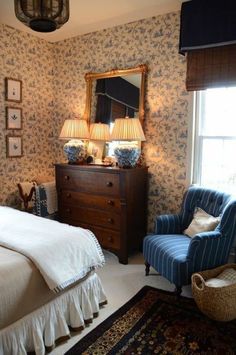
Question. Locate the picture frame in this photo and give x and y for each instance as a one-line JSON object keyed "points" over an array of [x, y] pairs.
{"points": [[14, 146], [13, 118], [96, 149], [13, 90]]}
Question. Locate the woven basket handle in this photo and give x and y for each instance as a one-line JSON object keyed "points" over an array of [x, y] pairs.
{"points": [[199, 285]]}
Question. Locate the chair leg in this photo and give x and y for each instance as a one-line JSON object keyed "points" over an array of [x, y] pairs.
{"points": [[147, 268], [178, 290]]}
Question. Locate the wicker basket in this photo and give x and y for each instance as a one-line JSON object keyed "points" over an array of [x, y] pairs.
{"points": [[218, 303]]}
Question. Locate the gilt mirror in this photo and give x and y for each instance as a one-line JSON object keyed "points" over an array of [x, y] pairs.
{"points": [[110, 95], [115, 94]]}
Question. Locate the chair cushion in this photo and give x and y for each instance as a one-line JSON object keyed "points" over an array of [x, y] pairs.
{"points": [[202, 222], [167, 254]]}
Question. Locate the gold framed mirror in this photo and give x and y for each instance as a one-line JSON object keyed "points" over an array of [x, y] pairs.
{"points": [[131, 87]]}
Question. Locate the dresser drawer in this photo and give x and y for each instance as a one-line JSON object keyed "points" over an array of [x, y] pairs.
{"points": [[105, 219], [107, 238], [91, 201], [89, 181]]}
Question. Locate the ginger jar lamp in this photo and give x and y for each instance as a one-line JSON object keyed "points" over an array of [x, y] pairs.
{"points": [[99, 134], [127, 129], [77, 132]]}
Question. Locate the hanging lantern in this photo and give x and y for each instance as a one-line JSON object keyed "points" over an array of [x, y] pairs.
{"points": [[42, 15]]}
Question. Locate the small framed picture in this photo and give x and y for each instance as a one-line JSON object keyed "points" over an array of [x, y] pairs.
{"points": [[14, 146], [13, 90], [96, 149], [13, 118]]}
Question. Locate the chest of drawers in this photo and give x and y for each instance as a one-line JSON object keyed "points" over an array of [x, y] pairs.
{"points": [[111, 202]]}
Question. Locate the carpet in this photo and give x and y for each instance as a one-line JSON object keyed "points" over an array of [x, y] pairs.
{"points": [[157, 322]]}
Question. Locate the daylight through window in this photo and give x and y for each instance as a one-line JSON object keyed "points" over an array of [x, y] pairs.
{"points": [[215, 139]]}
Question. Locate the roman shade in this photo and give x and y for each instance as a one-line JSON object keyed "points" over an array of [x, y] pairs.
{"points": [[211, 67]]}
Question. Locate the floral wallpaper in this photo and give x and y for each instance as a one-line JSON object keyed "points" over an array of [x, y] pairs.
{"points": [[54, 89], [29, 59], [153, 41]]}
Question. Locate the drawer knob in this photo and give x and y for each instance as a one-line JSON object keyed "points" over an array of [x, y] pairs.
{"points": [[110, 239], [110, 220], [110, 202], [109, 184], [68, 210], [66, 177], [68, 195]]}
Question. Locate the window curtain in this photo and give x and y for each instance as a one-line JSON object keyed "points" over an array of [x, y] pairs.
{"points": [[120, 90], [208, 36], [211, 67], [103, 109], [115, 95]]}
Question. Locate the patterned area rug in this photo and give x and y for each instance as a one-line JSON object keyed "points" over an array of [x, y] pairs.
{"points": [[157, 322]]}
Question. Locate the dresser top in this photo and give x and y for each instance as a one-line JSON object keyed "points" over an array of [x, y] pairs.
{"points": [[100, 168]]}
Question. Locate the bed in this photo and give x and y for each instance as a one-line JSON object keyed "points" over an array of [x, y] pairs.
{"points": [[44, 289]]}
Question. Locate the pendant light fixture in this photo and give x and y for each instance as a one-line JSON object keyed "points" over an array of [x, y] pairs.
{"points": [[42, 15]]}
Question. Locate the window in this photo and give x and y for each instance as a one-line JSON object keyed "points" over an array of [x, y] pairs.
{"points": [[215, 139]]}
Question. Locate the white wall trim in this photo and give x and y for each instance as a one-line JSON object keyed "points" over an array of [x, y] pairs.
{"points": [[190, 139]]}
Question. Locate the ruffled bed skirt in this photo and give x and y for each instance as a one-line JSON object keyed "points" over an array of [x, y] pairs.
{"points": [[50, 322]]}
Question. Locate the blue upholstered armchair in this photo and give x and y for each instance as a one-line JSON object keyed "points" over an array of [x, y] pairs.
{"points": [[175, 255]]}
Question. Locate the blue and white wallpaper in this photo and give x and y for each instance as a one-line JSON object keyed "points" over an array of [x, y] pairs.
{"points": [[54, 89], [152, 41]]}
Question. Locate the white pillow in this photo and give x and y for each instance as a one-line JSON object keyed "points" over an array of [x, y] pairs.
{"points": [[218, 282], [202, 222], [225, 278]]}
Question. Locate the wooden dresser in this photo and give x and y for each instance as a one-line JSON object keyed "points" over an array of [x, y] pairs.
{"points": [[111, 202]]}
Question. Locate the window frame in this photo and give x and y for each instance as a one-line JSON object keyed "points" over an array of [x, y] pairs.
{"points": [[198, 139]]}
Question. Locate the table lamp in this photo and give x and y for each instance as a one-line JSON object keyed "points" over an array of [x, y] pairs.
{"points": [[99, 132], [77, 131], [127, 129]]}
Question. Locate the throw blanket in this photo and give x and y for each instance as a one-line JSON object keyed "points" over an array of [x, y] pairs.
{"points": [[45, 199], [51, 193], [62, 253]]}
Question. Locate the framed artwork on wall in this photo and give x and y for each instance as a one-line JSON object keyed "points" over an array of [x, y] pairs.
{"points": [[13, 90], [14, 146], [13, 118]]}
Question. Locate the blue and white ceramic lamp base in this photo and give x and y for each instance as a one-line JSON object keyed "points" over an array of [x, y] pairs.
{"points": [[127, 156], [75, 151]]}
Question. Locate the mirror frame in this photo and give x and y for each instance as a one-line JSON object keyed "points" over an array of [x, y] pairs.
{"points": [[89, 77]]}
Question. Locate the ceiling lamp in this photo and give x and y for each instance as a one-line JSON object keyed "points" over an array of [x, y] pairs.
{"points": [[42, 15]]}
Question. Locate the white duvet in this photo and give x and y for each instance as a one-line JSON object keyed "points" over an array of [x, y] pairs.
{"points": [[62, 253]]}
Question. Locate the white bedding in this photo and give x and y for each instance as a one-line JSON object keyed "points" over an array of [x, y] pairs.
{"points": [[31, 315], [73, 308], [62, 253]]}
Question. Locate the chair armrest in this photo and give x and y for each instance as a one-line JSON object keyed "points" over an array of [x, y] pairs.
{"points": [[227, 225], [168, 224], [208, 250]]}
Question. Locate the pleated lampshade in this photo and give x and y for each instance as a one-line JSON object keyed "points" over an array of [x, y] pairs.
{"points": [[99, 132], [77, 129], [127, 129]]}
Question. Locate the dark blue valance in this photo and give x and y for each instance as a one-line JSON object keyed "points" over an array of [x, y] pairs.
{"points": [[207, 23]]}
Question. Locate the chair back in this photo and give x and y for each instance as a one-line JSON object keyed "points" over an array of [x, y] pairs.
{"points": [[211, 201]]}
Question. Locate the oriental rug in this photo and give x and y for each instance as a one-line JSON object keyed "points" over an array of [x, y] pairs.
{"points": [[158, 322]]}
